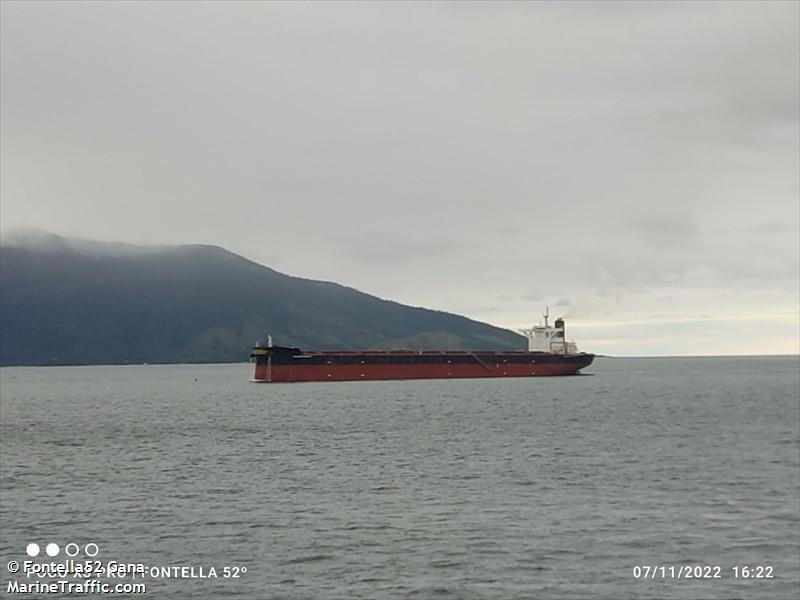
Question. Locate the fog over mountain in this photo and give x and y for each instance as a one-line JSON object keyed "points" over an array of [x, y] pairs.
{"points": [[65, 301]]}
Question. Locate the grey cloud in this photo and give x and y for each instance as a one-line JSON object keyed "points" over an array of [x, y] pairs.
{"points": [[446, 154], [770, 227], [390, 249], [531, 297], [665, 229]]}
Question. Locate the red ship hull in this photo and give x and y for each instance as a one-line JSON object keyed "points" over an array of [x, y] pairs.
{"points": [[272, 367]]}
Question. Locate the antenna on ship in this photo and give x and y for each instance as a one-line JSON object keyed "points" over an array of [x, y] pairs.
{"points": [[546, 314], [269, 341]]}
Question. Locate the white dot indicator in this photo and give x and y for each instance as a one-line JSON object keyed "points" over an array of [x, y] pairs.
{"points": [[52, 549], [72, 549], [32, 549], [91, 549]]}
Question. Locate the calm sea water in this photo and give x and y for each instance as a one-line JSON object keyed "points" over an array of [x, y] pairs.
{"points": [[501, 489]]}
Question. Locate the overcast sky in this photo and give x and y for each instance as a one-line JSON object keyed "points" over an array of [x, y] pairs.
{"points": [[633, 165]]}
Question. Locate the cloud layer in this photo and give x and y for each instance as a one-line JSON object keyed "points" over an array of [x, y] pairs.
{"points": [[632, 159]]}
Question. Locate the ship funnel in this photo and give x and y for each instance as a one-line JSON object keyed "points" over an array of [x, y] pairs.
{"points": [[559, 325]]}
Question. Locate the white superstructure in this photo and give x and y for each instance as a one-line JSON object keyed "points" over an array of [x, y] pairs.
{"points": [[546, 338]]}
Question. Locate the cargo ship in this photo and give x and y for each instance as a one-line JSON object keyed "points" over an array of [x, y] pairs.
{"points": [[548, 354]]}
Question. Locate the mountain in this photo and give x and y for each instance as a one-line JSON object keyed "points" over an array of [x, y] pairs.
{"points": [[68, 301]]}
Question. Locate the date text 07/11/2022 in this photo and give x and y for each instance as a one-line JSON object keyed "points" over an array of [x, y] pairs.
{"points": [[702, 572]]}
